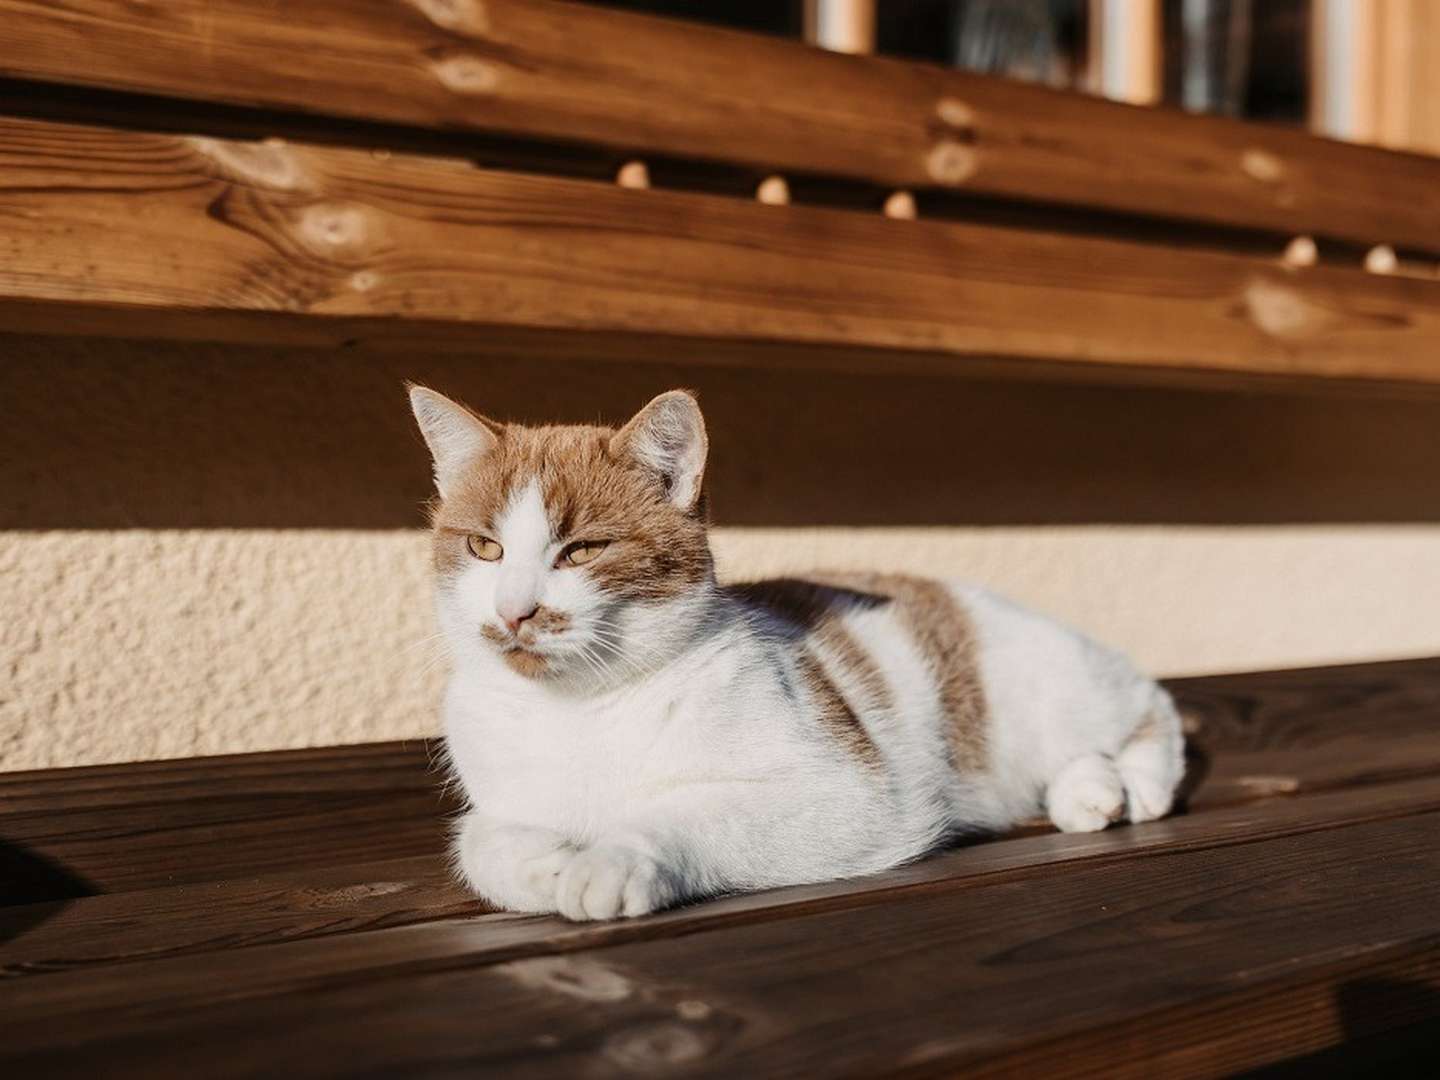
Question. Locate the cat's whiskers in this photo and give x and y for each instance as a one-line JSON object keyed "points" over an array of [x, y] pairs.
{"points": [[610, 637]]}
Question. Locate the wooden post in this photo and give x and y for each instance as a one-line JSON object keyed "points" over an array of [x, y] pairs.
{"points": [[1375, 72], [846, 26], [1125, 50]]}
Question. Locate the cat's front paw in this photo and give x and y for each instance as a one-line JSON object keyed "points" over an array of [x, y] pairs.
{"points": [[609, 881], [515, 868]]}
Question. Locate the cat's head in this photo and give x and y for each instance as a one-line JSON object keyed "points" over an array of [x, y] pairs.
{"points": [[567, 552]]}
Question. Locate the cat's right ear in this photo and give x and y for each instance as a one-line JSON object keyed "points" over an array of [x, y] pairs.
{"points": [[457, 437]]}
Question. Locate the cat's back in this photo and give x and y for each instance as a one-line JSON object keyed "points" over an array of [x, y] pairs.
{"points": [[946, 655], [891, 661]]}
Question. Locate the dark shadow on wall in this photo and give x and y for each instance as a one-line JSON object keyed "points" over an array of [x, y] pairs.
{"points": [[111, 434]]}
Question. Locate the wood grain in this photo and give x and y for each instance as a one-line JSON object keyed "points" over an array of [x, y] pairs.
{"points": [[179, 922], [117, 828], [113, 828], [638, 86], [231, 913], [1205, 961], [161, 235], [1308, 729]]}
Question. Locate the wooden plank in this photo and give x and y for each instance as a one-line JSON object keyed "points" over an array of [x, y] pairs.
{"points": [[315, 902], [1201, 962], [1308, 729], [244, 911], [117, 828], [639, 85], [358, 768], [76, 832], [154, 235]]}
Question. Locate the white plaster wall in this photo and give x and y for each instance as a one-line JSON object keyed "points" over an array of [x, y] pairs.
{"points": [[122, 645]]}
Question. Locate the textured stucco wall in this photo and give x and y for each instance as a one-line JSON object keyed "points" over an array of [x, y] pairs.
{"points": [[209, 549], [146, 644]]}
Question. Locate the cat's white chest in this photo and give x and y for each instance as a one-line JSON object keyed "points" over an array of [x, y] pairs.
{"points": [[579, 771]]}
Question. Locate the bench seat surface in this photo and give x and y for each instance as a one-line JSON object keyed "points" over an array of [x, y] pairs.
{"points": [[293, 913]]}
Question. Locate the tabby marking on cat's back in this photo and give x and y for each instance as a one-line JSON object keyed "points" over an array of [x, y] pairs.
{"points": [[835, 714], [632, 734], [942, 630]]}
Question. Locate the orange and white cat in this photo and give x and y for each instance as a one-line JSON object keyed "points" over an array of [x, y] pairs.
{"points": [[631, 734]]}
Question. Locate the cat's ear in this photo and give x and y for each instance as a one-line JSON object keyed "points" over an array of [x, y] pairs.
{"points": [[457, 438], [668, 435]]}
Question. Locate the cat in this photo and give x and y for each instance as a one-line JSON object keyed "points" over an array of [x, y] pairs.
{"points": [[631, 734]]}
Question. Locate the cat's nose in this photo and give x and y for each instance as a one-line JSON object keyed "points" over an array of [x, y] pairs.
{"points": [[513, 620]]}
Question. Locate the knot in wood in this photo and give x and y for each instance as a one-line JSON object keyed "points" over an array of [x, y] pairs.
{"points": [[573, 977], [955, 113], [951, 162], [336, 230], [1283, 312], [270, 165], [457, 16], [1262, 165], [465, 74], [656, 1046]]}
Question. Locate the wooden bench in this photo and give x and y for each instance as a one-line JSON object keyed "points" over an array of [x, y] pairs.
{"points": [[314, 179], [544, 179], [293, 913]]}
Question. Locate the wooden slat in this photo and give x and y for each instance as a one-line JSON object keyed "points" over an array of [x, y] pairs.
{"points": [[187, 920], [239, 912], [119, 828], [156, 235], [638, 85], [115, 828], [1195, 964], [1309, 729]]}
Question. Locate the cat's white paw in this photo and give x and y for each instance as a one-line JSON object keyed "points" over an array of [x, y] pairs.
{"points": [[538, 879], [513, 867], [1086, 795], [609, 881], [1148, 797]]}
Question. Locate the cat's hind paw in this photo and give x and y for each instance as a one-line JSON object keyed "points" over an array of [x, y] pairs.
{"points": [[1086, 796], [610, 881]]}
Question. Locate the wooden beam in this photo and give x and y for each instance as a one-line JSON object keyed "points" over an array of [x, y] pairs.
{"points": [[154, 235], [643, 86]]}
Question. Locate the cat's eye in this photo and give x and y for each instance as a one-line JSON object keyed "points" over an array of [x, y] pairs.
{"points": [[581, 552], [482, 547]]}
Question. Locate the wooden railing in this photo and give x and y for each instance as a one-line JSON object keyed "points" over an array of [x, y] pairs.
{"points": [[306, 173]]}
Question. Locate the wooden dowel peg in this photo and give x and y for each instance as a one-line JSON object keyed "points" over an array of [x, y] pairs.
{"points": [[901, 206], [1381, 260], [773, 191], [1301, 251], [634, 175]]}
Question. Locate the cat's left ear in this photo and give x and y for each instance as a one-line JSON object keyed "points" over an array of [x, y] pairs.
{"points": [[668, 435]]}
